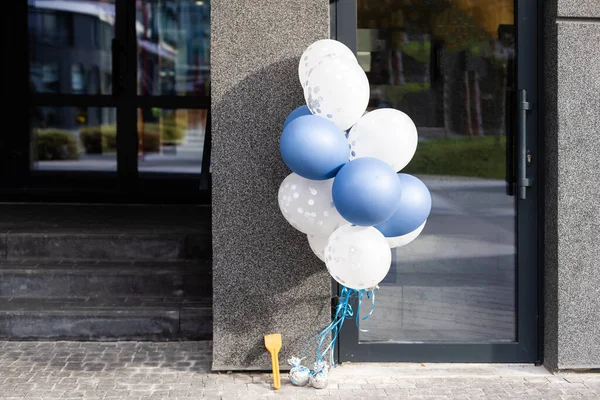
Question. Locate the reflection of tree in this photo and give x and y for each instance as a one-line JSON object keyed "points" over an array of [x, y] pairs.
{"points": [[457, 30], [441, 61], [379, 73]]}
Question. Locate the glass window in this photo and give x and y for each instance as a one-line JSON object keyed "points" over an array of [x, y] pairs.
{"points": [[173, 47], [70, 37], [171, 140], [74, 139]]}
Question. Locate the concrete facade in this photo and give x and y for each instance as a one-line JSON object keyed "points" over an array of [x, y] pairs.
{"points": [[572, 190], [265, 277]]}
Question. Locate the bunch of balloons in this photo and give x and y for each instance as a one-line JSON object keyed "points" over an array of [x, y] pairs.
{"points": [[345, 191]]}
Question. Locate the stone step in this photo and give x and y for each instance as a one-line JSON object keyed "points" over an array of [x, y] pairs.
{"points": [[104, 231], [115, 245], [41, 278], [105, 272], [152, 318]]}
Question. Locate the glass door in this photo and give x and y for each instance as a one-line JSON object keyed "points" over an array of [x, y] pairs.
{"points": [[466, 290], [113, 100]]}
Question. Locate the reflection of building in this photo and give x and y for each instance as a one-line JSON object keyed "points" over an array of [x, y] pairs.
{"points": [[70, 52], [173, 40]]}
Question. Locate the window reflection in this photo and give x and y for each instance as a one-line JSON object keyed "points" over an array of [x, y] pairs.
{"points": [[70, 52], [50, 25], [171, 140], [448, 64], [73, 139], [67, 40], [445, 63], [173, 47]]}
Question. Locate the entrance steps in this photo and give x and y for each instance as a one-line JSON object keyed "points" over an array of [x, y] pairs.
{"points": [[105, 272]]}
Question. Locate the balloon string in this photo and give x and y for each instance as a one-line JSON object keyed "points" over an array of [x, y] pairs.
{"points": [[370, 294], [343, 311]]}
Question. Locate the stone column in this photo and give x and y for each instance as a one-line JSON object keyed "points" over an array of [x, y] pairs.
{"points": [[265, 277], [572, 187]]}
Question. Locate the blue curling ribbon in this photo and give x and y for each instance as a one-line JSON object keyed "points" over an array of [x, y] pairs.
{"points": [[370, 295], [343, 311]]}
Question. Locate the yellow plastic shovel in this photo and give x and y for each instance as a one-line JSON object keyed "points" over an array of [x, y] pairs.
{"points": [[273, 344]]}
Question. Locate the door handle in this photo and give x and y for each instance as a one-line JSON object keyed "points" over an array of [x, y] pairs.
{"points": [[523, 153]]}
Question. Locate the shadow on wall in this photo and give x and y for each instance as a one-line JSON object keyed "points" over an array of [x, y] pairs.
{"points": [[266, 278]]}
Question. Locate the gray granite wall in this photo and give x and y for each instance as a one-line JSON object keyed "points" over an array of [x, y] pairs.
{"points": [[265, 277], [572, 190]]}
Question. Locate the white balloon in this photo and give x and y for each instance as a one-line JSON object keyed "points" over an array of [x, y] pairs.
{"points": [[319, 50], [387, 134], [308, 205], [338, 90], [317, 245], [403, 240], [358, 257]]}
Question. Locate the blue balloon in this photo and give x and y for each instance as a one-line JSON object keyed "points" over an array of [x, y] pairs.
{"points": [[314, 147], [366, 191], [298, 112], [414, 207]]}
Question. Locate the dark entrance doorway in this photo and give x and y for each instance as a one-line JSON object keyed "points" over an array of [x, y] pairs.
{"points": [[466, 73], [107, 100]]}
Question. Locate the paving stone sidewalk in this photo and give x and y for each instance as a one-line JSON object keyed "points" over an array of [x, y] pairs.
{"points": [[130, 370]]}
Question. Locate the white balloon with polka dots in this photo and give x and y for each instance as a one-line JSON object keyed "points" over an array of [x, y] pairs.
{"points": [[338, 90], [308, 205], [358, 257], [317, 51]]}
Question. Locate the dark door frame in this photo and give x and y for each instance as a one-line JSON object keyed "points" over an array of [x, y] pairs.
{"points": [[125, 185], [527, 348]]}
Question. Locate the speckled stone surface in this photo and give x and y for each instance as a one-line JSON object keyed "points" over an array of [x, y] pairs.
{"points": [[265, 277], [579, 194], [573, 197], [550, 138], [579, 8]]}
